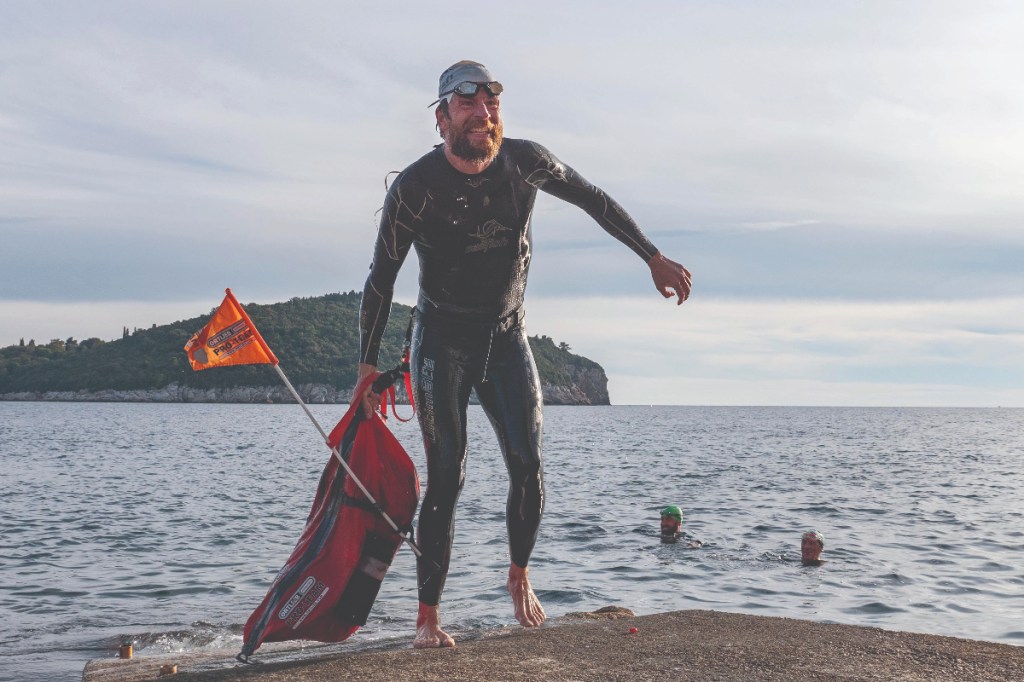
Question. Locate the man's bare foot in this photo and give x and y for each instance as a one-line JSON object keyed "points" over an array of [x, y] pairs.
{"points": [[529, 612], [429, 634]]}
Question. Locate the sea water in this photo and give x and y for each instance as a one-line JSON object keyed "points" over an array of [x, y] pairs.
{"points": [[163, 524]]}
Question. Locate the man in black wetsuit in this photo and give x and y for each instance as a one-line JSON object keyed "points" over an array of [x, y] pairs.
{"points": [[466, 207]]}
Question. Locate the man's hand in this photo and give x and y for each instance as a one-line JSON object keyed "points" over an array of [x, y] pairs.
{"points": [[670, 276], [369, 399]]}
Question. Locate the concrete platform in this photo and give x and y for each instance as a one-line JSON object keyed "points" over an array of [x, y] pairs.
{"points": [[683, 645]]}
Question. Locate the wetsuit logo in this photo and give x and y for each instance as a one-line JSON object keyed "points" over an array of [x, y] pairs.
{"points": [[553, 171], [488, 234], [427, 407]]}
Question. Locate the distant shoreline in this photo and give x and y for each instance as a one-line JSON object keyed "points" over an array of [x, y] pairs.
{"points": [[312, 394]]}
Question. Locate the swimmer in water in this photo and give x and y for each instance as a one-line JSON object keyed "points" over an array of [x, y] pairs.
{"points": [[811, 545], [671, 526], [671, 520]]}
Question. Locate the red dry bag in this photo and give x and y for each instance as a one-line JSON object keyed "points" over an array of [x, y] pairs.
{"points": [[325, 590]]}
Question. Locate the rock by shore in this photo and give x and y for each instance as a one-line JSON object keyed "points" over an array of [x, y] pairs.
{"points": [[683, 645]]}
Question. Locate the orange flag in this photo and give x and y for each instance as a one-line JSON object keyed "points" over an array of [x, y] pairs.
{"points": [[230, 338]]}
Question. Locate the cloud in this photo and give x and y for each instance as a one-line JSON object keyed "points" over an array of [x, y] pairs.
{"points": [[777, 224], [855, 114], [788, 262], [931, 353], [839, 155]]}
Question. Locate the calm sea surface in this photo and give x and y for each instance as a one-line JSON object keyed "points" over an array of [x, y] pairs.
{"points": [[165, 524]]}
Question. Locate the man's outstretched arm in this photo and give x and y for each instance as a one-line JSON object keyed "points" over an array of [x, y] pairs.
{"points": [[560, 180]]}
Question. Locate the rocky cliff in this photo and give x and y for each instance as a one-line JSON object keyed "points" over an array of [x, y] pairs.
{"points": [[586, 386]]}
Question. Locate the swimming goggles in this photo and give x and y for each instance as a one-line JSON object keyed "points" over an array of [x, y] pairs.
{"points": [[469, 89]]}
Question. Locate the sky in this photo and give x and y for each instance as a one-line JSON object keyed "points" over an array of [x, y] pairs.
{"points": [[843, 179]]}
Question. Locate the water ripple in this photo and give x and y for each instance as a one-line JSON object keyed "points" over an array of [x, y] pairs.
{"points": [[153, 514]]}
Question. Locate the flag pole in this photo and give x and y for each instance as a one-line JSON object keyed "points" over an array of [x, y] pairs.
{"points": [[341, 460], [268, 357]]}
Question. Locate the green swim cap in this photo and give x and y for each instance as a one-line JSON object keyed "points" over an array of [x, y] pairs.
{"points": [[673, 511]]}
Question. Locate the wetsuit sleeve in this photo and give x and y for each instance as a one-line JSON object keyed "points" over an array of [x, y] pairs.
{"points": [[403, 207], [547, 173]]}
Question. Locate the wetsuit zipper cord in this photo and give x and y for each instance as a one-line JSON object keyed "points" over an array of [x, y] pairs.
{"points": [[487, 358]]}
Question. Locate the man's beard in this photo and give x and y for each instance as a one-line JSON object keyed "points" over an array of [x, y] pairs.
{"points": [[482, 151]]}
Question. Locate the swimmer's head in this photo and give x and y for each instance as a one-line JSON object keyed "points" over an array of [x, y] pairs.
{"points": [[672, 511], [811, 545], [465, 78], [671, 519], [815, 536]]}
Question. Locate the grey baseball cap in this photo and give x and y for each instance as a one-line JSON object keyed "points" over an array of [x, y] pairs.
{"points": [[459, 72]]}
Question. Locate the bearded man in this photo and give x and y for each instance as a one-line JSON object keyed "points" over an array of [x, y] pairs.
{"points": [[466, 207]]}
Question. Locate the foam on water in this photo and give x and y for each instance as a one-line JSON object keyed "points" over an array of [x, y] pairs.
{"points": [[164, 524]]}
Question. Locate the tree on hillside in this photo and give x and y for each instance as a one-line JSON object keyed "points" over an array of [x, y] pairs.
{"points": [[317, 340]]}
